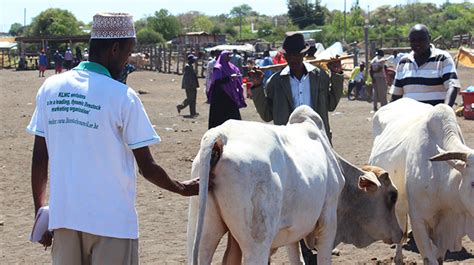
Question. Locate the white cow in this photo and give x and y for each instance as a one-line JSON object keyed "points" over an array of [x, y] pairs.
{"points": [[139, 60], [411, 142], [274, 185]]}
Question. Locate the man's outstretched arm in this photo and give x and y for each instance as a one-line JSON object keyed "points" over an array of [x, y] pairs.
{"points": [[158, 176]]}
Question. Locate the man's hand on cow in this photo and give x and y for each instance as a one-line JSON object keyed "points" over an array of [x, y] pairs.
{"points": [[47, 239], [191, 187], [335, 65], [256, 77]]}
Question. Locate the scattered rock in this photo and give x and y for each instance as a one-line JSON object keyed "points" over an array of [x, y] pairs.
{"points": [[186, 159], [141, 92]]}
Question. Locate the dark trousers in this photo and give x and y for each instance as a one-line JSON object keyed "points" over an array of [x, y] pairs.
{"points": [[308, 256], [359, 91], [433, 102], [189, 101]]}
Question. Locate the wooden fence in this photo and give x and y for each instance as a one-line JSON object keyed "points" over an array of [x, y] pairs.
{"points": [[172, 58]]}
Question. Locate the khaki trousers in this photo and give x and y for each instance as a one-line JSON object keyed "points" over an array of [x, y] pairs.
{"points": [[72, 247]]}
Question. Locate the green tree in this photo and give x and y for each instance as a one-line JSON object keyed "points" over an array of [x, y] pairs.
{"points": [[149, 36], [141, 24], [16, 29], [319, 15], [216, 30], [265, 30], [303, 13], [231, 31], [165, 23], [55, 22], [202, 23], [240, 10]]}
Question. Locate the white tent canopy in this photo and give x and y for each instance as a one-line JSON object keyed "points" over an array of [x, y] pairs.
{"points": [[7, 45], [330, 52], [243, 48]]}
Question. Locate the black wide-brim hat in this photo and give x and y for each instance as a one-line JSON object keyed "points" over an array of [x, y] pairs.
{"points": [[294, 43]]}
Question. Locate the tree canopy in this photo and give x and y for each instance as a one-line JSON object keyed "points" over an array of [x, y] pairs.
{"points": [[16, 29], [55, 22], [165, 23], [386, 22]]}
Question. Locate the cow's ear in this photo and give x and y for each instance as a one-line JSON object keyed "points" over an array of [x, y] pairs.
{"points": [[369, 182], [384, 177], [458, 165]]}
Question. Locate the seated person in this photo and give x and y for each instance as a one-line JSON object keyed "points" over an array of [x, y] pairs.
{"points": [[359, 80]]}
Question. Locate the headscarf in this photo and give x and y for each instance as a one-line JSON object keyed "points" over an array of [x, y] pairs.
{"points": [[233, 88]]}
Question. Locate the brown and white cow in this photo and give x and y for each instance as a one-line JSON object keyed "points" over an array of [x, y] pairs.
{"points": [[279, 184]]}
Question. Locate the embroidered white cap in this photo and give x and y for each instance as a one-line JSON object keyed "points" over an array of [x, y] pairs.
{"points": [[112, 26]]}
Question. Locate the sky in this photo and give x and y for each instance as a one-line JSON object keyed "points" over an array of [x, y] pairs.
{"points": [[12, 11]]}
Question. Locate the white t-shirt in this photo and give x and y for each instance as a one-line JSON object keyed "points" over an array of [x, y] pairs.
{"points": [[91, 124]]}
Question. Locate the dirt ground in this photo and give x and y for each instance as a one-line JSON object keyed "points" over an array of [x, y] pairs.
{"points": [[163, 216]]}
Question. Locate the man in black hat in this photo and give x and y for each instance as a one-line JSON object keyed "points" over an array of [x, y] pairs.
{"points": [[297, 84], [189, 84]]}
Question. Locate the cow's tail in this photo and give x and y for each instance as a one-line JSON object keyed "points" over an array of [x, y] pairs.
{"points": [[212, 145]]}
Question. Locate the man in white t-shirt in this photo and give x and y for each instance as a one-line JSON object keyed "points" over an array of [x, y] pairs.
{"points": [[90, 128], [209, 70]]}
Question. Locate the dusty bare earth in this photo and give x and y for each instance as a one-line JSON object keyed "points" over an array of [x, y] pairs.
{"points": [[163, 215]]}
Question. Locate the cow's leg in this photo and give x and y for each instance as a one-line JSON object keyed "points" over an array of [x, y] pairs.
{"points": [[423, 241], [441, 253], [257, 253], [192, 220], [398, 254], [326, 232], [213, 230], [294, 254], [233, 254], [402, 219]]}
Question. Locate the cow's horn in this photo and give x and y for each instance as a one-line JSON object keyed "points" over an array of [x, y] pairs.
{"points": [[450, 156]]}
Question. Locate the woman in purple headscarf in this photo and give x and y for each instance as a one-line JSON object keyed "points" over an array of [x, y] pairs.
{"points": [[226, 92]]}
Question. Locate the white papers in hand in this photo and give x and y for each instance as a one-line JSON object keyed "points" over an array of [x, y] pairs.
{"points": [[41, 224]]}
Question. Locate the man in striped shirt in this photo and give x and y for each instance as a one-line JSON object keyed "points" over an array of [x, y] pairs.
{"points": [[427, 74]]}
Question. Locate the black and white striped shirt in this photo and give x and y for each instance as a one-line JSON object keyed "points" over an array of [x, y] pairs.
{"points": [[429, 81]]}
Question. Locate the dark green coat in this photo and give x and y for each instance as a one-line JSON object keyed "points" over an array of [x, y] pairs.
{"points": [[275, 102]]}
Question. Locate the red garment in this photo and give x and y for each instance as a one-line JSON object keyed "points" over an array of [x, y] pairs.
{"points": [[279, 59]]}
